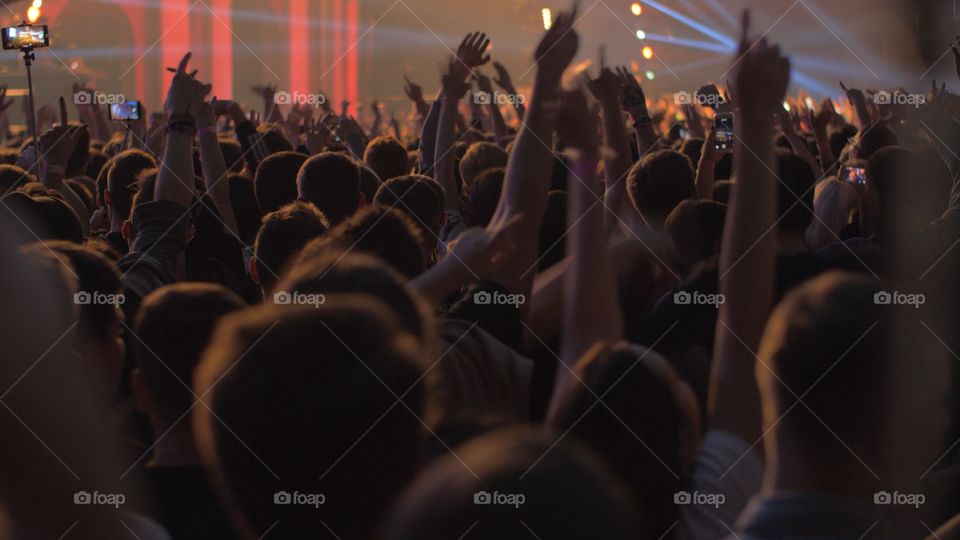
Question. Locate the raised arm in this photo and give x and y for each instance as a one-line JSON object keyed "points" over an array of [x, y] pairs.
{"points": [[175, 178], [707, 167], [607, 88], [820, 122], [455, 86], [531, 162], [56, 147], [214, 167], [797, 143], [859, 102], [635, 103], [499, 126], [747, 258]]}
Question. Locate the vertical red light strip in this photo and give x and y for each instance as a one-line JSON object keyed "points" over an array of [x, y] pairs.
{"points": [[221, 32], [338, 90], [299, 43], [353, 15], [175, 22]]}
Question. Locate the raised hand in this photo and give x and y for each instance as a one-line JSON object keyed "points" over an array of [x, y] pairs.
{"points": [[633, 98], [58, 143], [761, 76], [577, 125], [265, 91], [454, 81], [472, 51], [820, 121], [502, 78], [608, 87], [558, 46], [483, 82], [187, 95], [412, 90]]}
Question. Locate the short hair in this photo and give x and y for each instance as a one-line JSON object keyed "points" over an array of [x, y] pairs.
{"points": [[659, 181], [272, 138], [283, 234], [369, 182], [413, 196], [387, 157], [77, 162], [232, 155], [695, 227], [484, 196], [569, 493], [83, 192], [9, 155], [96, 162], [693, 149], [721, 191], [47, 217], [480, 156], [96, 275], [831, 317], [246, 208], [12, 177], [275, 181], [795, 191], [331, 181], [379, 231], [336, 271], [122, 176], [321, 378], [174, 324], [874, 138]]}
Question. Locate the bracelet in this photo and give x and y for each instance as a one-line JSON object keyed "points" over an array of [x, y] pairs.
{"points": [[182, 124]]}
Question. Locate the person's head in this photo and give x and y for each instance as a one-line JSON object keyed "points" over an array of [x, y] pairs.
{"points": [[12, 177], [80, 188], [78, 160], [658, 183], [379, 231], [721, 191], [480, 156], [174, 325], [124, 170], [46, 217], [303, 401], [840, 138], [827, 341], [910, 192], [96, 162], [695, 227], [387, 157], [873, 139], [795, 192], [544, 484], [369, 182], [336, 271], [331, 181], [273, 140], [232, 155], [483, 197], [276, 179], [100, 340], [415, 196], [9, 155], [283, 234], [659, 446], [243, 199], [693, 149], [834, 204]]}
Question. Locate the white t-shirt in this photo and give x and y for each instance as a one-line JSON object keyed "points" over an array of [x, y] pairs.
{"points": [[726, 475]]}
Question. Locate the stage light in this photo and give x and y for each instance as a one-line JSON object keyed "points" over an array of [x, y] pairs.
{"points": [[33, 12], [636, 8], [547, 19], [648, 52], [651, 75], [641, 34], [786, 106]]}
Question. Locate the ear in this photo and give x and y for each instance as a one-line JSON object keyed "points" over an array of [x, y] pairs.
{"points": [[362, 201], [127, 230], [254, 271], [141, 397]]}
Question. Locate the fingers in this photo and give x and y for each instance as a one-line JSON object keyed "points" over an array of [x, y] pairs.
{"points": [[63, 111], [745, 29], [845, 89], [182, 68]]}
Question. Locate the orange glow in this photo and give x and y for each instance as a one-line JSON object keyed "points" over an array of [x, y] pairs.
{"points": [[648, 52], [636, 8]]}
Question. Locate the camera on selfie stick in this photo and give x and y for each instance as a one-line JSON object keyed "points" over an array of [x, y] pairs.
{"points": [[26, 38]]}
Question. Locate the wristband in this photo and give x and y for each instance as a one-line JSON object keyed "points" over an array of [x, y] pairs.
{"points": [[182, 124]]}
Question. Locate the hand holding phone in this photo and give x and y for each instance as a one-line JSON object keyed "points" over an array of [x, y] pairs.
{"points": [[723, 132], [127, 110]]}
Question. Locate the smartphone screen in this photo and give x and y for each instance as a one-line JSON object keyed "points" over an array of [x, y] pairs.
{"points": [[128, 110], [856, 175], [19, 37], [723, 131]]}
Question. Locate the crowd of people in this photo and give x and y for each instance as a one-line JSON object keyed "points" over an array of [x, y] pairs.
{"points": [[574, 315]]}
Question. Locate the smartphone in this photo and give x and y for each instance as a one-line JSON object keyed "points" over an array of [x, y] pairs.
{"points": [[684, 134], [26, 36], [127, 110], [723, 131], [856, 175]]}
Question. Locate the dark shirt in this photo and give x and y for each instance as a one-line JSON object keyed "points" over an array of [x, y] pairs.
{"points": [[185, 504], [796, 516]]}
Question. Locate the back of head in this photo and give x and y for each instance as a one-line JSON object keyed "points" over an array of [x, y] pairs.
{"points": [[509, 484], [911, 191], [283, 233], [272, 137], [414, 196], [483, 196], [333, 271], [795, 191], [316, 453], [99, 282], [47, 217], [174, 325], [480, 157], [125, 169], [246, 208], [12, 177], [276, 179], [827, 341], [387, 157], [833, 204], [659, 182], [387, 234], [232, 155], [693, 149], [696, 227], [369, 182], [875, 138], [331, 181]]}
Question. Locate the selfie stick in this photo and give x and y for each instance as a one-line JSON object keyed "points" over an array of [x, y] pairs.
{"points": [[28, 58]]}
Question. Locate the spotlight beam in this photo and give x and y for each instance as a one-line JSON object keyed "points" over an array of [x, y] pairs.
{"points": [[691, 43], [703, 29]]}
